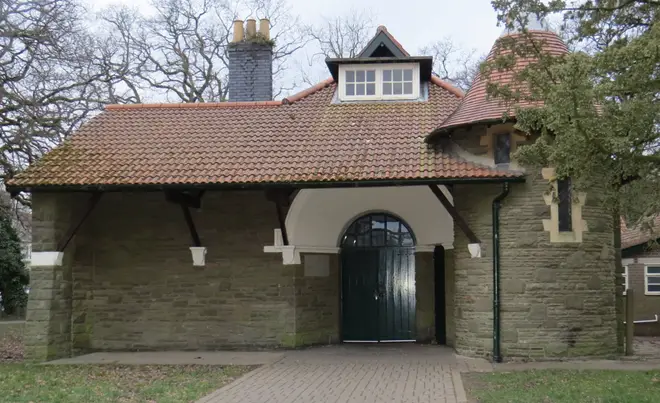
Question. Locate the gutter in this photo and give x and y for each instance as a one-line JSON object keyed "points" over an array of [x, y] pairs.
{"points": [[14, 189], [497, 356]]}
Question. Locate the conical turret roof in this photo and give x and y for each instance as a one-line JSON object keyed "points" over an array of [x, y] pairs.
{"points": [[477, 106]]}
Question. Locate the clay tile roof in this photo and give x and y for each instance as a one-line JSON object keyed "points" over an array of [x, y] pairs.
{"points": [[305, 138], [637, 235], [477, 106]]}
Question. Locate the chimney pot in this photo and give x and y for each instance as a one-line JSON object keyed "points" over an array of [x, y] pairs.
{"points": [[264, 28], [238, 31], [251, 28], [250, 64]]}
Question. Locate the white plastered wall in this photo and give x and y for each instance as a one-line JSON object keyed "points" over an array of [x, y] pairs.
{"points": [[318, 217]]}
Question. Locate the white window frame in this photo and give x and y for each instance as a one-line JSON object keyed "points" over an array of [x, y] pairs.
{"points": [[625, 279], [646, 278], [379, 81]]}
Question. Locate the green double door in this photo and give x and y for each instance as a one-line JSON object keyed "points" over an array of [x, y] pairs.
{"points": [[378, 294]]}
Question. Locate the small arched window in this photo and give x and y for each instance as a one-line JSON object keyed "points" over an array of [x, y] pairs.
{"points": [[376, 230]]}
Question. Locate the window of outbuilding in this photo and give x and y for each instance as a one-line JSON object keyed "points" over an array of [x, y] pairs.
{"points": [[652, 280], [625, 279], [564, 205]]}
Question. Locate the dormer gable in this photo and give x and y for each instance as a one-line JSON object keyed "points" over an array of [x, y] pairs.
{"points": [[383, 44], [382, 71]]}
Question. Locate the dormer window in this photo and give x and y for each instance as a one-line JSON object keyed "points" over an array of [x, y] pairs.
{"points": [[358, 82]]}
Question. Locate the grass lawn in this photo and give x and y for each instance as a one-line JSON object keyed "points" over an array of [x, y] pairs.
{"points": [[111, 383], [563, 386]]}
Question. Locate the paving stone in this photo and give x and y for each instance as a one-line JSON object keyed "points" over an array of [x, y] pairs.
{"points": [[402, 374]]}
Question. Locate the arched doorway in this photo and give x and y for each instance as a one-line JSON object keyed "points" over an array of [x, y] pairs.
{"points": [[378, 280]]}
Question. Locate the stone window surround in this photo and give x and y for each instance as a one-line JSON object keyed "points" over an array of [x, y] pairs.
{"points": [[488, 140], [579, 225]]}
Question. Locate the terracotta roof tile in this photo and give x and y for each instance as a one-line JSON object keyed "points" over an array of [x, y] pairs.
{"points": [[305, 139], [477, 106], [637, 235]]}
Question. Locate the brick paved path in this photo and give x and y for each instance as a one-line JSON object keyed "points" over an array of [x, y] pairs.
{"points": [[351, 373]]}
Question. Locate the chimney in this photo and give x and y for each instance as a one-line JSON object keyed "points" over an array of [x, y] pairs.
{"points": [[250, 56]]}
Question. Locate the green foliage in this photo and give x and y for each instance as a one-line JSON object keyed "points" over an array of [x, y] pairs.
{"points": [[13, 274], [599, 119]]}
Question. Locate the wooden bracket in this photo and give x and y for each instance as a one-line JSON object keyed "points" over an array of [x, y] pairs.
{"points": [[189, 199], [454, 214], [191, 225], [280, 197], [75, 226]]}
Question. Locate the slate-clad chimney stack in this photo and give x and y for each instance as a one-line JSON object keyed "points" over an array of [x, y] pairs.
{"points": [[251, 62]]}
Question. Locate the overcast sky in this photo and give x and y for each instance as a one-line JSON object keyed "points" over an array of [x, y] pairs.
{"points": [[415, 23], [471, 24]]}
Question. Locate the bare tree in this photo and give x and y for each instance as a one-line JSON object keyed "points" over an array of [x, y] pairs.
{"points": [[181, 52], [47, 79], [452, 63], [335, 37], [343, 36]]}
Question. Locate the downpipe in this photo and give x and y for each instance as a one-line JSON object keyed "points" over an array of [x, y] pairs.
{"points": [[497, 356]]}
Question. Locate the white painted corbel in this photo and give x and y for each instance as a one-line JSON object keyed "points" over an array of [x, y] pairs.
{"points": [[198, 255], [475, 250], [43, 259]]}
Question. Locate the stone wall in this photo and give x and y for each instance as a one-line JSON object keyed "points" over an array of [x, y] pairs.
{"points": [[135, 286], [48, 318], [450, 295], [425, 296], [128, 283], [557, 299], [317, 302]]}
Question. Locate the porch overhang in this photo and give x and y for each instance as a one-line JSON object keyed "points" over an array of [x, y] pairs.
{"points": [[274, 191]]}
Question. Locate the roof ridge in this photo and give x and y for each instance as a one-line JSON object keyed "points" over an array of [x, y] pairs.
{"points": [[449, 87], [225, 104], [307, 92]]}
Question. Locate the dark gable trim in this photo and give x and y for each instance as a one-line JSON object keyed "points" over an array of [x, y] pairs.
{"points": [[376, 44]]}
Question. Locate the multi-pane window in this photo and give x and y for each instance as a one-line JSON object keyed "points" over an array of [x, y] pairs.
{"points": [[376, 82], [625, 279], [377, 230], [652, 280], [360, 82], [564, 204], [398, 81]]}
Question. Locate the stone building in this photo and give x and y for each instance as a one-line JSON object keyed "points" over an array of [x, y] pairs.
{"points": [[380, 205], [641, 263]]}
